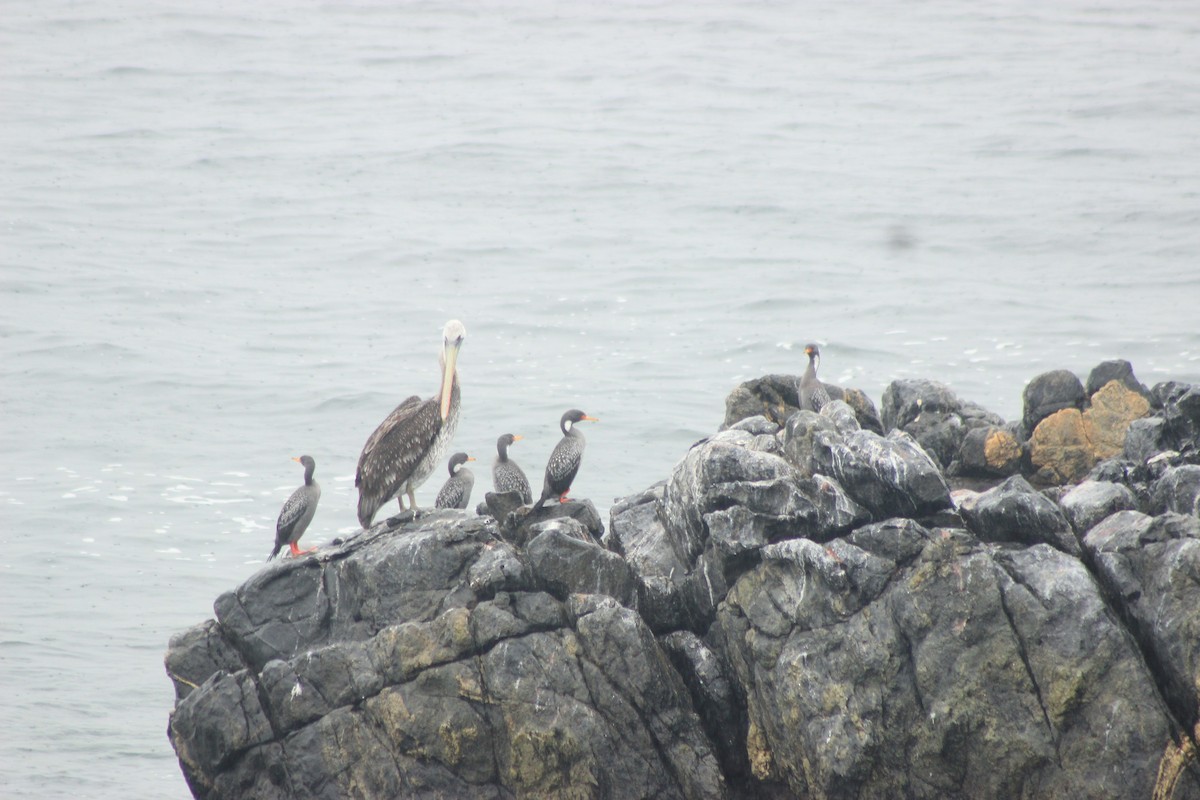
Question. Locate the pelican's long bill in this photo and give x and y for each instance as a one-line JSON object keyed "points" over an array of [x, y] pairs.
{"points": [[451, 342]]}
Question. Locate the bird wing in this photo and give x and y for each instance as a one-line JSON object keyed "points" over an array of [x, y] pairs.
{"points": [[507, 476], [564, 463], [289, 515], [456, 493], [397, 445]]}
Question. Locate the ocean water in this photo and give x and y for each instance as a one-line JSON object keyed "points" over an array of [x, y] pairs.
{"points": [[231, 235]]}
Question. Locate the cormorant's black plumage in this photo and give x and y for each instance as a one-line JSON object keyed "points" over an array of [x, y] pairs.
{"points": [[456, 491], [566, 457], [507, 475]]}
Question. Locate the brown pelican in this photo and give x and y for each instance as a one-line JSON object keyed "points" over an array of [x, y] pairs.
{"points": [[506, 475], [565, 458], [409, 444], [298, 511], [812, 392], [456, 491]]}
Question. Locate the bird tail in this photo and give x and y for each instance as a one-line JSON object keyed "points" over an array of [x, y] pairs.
{"points": [[275, 552]]}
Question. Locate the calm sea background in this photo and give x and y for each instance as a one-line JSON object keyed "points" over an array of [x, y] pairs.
{"points": [[231, 235]]}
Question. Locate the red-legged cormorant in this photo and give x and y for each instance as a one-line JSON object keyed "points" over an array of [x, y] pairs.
{"points": [[298, 511], [565, 458]]}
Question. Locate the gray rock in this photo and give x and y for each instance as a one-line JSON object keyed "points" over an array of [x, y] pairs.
{"points": [[757, 425], [197, 653], [776, 398], [1178, 490], [726, 501], [498, 505], [715, 698], [1048, 393], [888, 476], [1114, 370], [636, 531], [394, 678], [905, 401], [1015, 512], [1146, 438], [521, 525], [802, 650], [564, 563], [866, 678], [1151, 565], [216, 722], [934, 415], [1092, 501]]}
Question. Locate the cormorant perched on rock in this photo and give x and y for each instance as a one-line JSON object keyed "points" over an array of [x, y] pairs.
{"points": [[812, 392], [456, 492], [298, 511], [565, 458], [507, 476], [409, 444]]}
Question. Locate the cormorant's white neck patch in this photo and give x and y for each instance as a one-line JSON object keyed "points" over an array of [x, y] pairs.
{"points": [[568, 425]]}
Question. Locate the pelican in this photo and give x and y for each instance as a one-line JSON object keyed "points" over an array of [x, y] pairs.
{"points": [[813, 394], [456, 491], [409, 444], [565, 458], [298, 511], [507, 475]]}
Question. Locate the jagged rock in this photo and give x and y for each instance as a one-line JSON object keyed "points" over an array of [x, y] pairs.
{"points": [[861, 405], [1015, 512], [564, 563], [196, 654], [1145, 439], [1152, 565], [724, 502], [715, 698], [498, 505], [1115, 370], [889, 476], [800, 651], [1178, 490], [1049, 393], [774, 397], [777, 397], [905, 401], [1179, 410], [990, 451], [382, 674], [636, 531], [521, 525], [933, 415], [1067, 444], [221, 718], [757, 425], [868, 677], [1092, 501]]}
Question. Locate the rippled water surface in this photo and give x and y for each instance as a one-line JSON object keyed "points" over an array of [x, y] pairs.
{"points": [[231, 235]]}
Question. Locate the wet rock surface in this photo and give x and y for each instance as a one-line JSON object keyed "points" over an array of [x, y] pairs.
{"points": [[802, 609]]}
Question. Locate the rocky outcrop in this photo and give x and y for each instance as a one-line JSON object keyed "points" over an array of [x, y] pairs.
{"points": [[937, 419], [426, 661], [803, 608], [777, 397]]}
